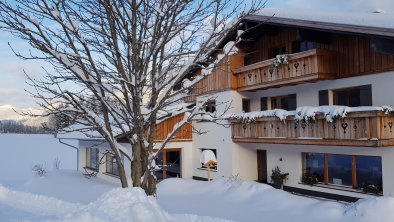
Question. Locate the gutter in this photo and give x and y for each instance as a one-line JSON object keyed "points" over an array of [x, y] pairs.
{"points": [[60, 141]]}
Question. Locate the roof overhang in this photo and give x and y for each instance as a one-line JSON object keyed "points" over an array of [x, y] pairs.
{"points": [[322, 26]]}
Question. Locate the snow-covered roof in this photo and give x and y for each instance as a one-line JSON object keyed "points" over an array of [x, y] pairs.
{"points": [[358, 22], [77, 132]]}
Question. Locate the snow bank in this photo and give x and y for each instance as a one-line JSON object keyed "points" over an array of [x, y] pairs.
{"points": [[66, 196], [130, 204], [237, 200]]}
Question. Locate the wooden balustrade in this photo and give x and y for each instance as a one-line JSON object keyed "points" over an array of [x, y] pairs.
{"points": [[308, 66], [369, 128]]}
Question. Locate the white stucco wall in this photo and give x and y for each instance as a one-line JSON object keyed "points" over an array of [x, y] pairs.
{"points": [[308, 94], [84, 144], [291, 156]]}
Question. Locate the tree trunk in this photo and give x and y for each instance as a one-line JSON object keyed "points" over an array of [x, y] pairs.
{"points": [[122, 173], [136, 166]]}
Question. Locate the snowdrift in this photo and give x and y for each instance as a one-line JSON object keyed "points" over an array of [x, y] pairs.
{"points": [[237, 200]]}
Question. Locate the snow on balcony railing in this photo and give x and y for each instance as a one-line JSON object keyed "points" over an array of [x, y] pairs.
{"points": [[324, 125]]}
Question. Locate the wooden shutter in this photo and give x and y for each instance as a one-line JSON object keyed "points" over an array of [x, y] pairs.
{"points": [[292, 102], [323, 98], [263, 103], [366, 95]]}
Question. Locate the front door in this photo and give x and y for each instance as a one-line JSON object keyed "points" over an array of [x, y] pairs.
{"points": [[262, 166], [169, 164]]}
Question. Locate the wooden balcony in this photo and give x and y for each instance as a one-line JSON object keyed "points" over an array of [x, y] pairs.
{"points": [[367, 128], [308, 66]]}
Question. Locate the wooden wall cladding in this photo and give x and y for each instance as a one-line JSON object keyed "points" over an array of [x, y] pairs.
{"points": [[354, 53], [165, 127]]}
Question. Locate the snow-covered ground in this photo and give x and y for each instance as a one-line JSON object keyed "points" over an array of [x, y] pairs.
{"points": [[20, 152], [69, 196], [66, 195], [250, 201]]}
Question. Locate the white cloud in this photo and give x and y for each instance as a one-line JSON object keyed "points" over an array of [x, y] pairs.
{"points": [[10, 112]]}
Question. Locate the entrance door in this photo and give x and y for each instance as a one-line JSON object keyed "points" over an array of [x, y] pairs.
{"points": [[262, 166], [169, 162]]}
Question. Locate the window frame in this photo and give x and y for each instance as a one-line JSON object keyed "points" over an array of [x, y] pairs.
{"points": [[112, 163], [210, 106], [244, 101], [348, 91], [353, 165], [289, 102], [216, 156], [89, 158]]}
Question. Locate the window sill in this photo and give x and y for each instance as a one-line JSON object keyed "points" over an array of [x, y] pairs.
{"points": [[111, 175], [206, 169], [341, 188], [90, 168]]}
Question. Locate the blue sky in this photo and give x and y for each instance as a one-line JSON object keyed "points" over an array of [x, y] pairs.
{"points": [[12, 79]]}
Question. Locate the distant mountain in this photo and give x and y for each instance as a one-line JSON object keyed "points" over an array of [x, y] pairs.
{"points": [[13, 122]]}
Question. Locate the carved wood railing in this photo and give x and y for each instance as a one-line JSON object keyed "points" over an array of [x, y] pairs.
{"points": [[308, 66], [221, 78], [369, 128]]}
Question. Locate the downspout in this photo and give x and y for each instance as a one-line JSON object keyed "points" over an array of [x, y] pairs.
{"points": [[60, 141]]}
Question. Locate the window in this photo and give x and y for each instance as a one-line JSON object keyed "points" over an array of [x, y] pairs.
{"points": [[287, 102], [208, 154], [273, 52], [111, 166], [353, 97], [301, 46], [359, 172], [340, 169], [92, 158], [369, 171], [210, 106], [245, 105], [169, 164], [314, 165], [263, 104], [247, 61]]}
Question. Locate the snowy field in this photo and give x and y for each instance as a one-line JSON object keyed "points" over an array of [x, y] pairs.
{"points": [[66, 195], [20, 152]]}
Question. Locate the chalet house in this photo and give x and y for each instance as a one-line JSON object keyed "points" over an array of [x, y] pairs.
{"points": [[310, 93], [345, 60]]}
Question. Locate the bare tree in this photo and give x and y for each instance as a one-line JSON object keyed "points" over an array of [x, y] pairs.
{"points": [[117, 63]]}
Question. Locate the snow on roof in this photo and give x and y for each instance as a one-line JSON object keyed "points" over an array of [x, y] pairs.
{"points": [[78, 131], [362, 19]]}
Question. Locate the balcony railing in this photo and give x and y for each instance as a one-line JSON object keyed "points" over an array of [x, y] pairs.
{"points": [[366, 128], [308, 66]]}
